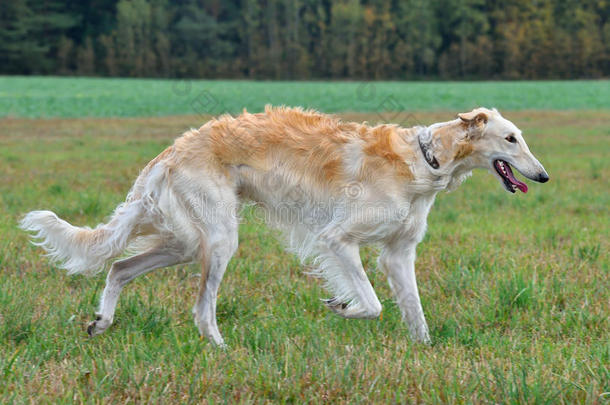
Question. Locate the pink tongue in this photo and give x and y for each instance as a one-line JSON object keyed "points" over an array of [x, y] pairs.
{"points": [[520, 185]]}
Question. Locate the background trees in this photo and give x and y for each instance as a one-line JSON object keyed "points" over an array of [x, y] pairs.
{"points": [[307, 39]]}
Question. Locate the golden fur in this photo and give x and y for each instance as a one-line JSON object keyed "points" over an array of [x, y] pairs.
{"points": [[307, 142]]}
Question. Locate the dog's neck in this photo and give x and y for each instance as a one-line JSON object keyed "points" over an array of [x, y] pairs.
{"points": [[442, 150]]}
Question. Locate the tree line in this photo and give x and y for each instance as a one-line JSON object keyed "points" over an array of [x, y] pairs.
{"points": [[307, 39]]}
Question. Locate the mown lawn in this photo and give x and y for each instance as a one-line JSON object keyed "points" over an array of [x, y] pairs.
{"points": [[515, 288], [98, 97]]}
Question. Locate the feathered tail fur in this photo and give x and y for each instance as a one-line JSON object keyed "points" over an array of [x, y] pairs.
{"points": [[82, 249]]}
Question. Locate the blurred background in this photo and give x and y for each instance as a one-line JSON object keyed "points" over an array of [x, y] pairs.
{"points": [[307, 39]]}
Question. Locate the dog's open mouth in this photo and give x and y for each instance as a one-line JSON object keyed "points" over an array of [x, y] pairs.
{"points": [[506, 173]]}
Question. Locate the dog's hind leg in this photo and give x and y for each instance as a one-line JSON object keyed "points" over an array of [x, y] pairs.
{"points": [[219, 246], [342, 268], [120, 274]]}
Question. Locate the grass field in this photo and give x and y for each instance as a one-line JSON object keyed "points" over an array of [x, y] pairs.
{"points": [[83, 97], [515, 287]]}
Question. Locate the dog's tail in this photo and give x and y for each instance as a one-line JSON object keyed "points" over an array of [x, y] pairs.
{"points": [[82, 249]]}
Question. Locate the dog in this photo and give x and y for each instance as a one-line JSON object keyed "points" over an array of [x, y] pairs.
{"points": [[329, 186]]}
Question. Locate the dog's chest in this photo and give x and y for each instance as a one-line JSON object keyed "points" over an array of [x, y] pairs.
{"points": [[374, 222], [413, 216]]}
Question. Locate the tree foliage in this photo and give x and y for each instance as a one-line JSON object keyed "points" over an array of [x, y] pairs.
{"points": [[307, 39]]}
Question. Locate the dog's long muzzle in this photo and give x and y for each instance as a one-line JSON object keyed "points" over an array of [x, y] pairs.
{"points": [[538, 174], [531, 169]]}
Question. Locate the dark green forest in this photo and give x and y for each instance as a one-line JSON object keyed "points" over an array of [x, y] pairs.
{"points": [[307, 39]]}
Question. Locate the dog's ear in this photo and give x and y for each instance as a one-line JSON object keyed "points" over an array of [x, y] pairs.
{"points": [[476, 117], [474, 122]]}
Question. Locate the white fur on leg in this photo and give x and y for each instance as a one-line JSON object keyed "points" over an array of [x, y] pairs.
{"points": [[399, 266], [121, 273], [222, 245], [354, 296]]}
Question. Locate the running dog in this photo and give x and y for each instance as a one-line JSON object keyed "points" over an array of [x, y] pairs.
{"points": [[330, 186]]}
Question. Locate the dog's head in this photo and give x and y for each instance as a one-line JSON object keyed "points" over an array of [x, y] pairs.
{"points": [[497, 144]]}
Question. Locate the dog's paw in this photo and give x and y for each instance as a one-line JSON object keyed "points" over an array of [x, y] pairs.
{"points": [[420, 334], [338, 307], [98, 326], [334, 304], [352, 310]]}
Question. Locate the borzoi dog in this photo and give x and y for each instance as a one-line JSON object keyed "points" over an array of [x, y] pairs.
{"points": [[330, 186]]}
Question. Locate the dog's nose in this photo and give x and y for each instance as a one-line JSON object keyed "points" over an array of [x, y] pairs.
{"points": [[543, 178]]}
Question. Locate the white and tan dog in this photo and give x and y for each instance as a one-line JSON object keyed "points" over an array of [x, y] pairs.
{"points": [[331, 186]]}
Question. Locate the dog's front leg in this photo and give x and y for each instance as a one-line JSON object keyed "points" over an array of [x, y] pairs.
{"points": [[342, 267], [398, 263]]}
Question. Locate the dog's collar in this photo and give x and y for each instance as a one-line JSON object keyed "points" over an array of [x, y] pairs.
{"points": [[426, 148]]}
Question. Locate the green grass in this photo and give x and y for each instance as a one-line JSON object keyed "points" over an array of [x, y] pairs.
{"points": [[84, 97], [515, 288]]}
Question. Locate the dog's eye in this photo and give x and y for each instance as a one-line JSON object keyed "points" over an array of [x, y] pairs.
{"points": [[511, 139]]}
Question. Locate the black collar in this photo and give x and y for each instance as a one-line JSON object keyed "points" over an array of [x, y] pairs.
{"points": [[426, 149]]}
